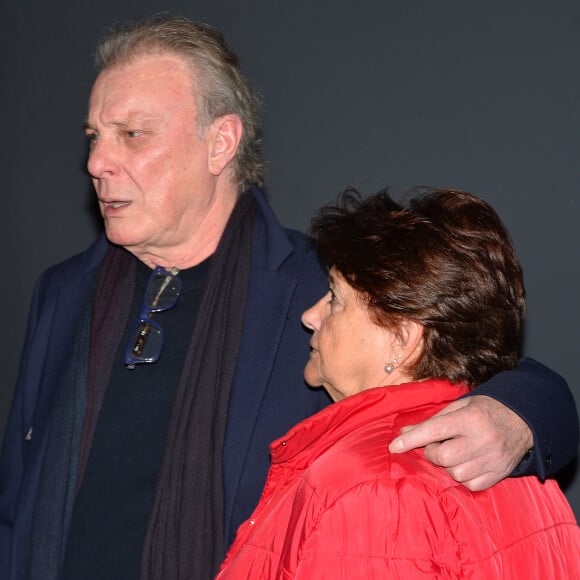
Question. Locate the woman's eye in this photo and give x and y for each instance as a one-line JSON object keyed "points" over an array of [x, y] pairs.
{"points": [[332, 295]]}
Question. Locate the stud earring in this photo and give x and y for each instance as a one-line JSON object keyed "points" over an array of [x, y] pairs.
{"points": [[390, 367]]}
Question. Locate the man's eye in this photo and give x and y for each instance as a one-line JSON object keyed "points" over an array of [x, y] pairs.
{"points": [[92, 137], [133, 134], [332, 295]]}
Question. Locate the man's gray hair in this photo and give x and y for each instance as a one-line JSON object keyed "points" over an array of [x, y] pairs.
{"points": [[221, 86]]}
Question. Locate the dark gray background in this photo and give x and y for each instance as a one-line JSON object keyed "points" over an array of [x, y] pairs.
{"points": [[478, 95]]}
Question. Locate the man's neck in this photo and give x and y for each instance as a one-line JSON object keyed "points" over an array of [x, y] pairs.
{"points": [[200, 242]]}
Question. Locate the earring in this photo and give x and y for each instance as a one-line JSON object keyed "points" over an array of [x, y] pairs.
{"points": [[390, 367]]}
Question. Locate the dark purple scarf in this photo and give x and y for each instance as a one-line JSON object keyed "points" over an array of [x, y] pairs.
{"points": [[185, 535]]}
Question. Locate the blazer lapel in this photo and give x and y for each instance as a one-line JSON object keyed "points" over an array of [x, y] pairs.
{"points": [[269, 295]]}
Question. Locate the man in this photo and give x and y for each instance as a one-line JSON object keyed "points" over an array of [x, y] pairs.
{"points": [[160, 363]]}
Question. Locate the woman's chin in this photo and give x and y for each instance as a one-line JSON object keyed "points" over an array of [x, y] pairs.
{"points": [[312, 377]]}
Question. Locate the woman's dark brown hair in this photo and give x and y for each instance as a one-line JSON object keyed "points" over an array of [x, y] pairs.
{"points": [[443, 259]]}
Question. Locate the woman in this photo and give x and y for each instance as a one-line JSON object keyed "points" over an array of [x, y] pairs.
{"points": [[425, 302]]}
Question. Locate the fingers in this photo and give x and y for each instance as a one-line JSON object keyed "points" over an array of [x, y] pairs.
{"points": [[483, 481], [452, 453], [477, 440], [444, 425], [474, 473], [476, 476]]}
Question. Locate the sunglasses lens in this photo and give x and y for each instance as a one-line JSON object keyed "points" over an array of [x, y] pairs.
{"points": [[162, 292], [146, 342]]}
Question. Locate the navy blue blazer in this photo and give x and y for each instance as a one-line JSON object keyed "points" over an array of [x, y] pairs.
{"points": [[268, 394]]}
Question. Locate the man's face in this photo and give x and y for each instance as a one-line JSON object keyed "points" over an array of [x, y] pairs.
{"points": [[149, 168]]}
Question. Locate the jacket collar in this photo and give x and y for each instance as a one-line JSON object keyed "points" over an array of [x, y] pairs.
{"points": [[271, 243], [322, 430]]}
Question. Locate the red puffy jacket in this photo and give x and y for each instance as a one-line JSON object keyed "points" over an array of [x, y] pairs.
{"points": [[337, 505]]}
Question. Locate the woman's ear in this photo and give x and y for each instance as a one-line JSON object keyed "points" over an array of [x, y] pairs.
{"points": [[226, 134], [410, 339]]}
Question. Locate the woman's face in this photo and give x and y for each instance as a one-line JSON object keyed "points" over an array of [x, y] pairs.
{"points": [[348, 350]]}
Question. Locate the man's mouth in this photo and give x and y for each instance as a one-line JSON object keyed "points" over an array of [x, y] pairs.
{"points": [[115, 204]]}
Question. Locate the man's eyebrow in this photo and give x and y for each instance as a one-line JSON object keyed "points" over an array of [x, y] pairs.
{"points": [[122, 123], [89, 127]]}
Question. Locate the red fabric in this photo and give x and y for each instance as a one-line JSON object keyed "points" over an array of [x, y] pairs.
{"points": [[337, 505]]}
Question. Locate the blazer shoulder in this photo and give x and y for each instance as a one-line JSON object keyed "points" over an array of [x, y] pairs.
{"points": [[304, 256], [75, 267]]}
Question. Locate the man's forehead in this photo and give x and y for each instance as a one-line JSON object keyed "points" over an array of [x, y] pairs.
{"points": [[147, 74], [149, 59], [144, 90]]}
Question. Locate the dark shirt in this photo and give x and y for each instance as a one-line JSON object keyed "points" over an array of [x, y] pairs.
{"points": [[111, 512]]}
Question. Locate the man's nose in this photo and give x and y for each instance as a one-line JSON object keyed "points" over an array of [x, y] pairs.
{"points": [[102, 158]]}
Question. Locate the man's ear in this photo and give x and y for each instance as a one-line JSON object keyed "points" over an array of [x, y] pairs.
{"points": [[225, 134]]}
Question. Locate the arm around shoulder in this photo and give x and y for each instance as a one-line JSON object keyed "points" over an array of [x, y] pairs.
{"points": [[544, 401]]}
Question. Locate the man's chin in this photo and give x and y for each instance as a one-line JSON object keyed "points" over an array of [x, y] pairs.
{"points": [[122, 238]]}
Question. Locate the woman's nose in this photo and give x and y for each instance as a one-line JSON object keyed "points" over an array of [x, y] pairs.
{"points": [[312, 317]]}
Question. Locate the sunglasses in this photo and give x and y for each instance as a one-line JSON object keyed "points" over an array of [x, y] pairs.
{"points": [[147, 338]]}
